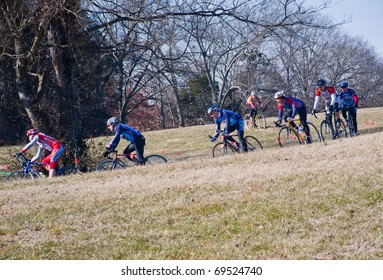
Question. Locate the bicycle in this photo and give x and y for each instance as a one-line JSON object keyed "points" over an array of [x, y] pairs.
{"points": [[116, 162], [27, 170], [227, 147], [258, 121], [290, 136], [328, 130]]}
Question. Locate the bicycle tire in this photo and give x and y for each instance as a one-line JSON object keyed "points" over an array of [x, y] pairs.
{"points": [[67, 170], [314, 132], [253, 144], [260, 122], [220, 150], [109, 165], [288, 137], [155, 160], [18, 175], [326, 130], [341, 131]]}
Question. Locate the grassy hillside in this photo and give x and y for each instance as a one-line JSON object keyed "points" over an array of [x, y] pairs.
{"points": [[321, 201]]}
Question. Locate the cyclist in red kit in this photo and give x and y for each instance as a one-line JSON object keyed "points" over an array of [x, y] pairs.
{"points": [[45, 142]]}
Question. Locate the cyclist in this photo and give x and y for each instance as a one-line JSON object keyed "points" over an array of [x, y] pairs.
{"points": [[233, 122], [136, 139], [349, 100], [45, 142], [251, 104], [330, 97], [295, 106]]}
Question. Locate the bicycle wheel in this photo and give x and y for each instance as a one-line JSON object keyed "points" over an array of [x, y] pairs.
{"points": [[341, 129], [288, 137], [253, 144], [19, 175], [155, 160], [260, 121], [110, 165], [67, 170], [326, 131], [220, 150], [315, 136]]}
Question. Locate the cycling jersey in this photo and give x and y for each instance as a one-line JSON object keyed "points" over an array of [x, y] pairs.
{"points": [[124, 131], [348, 98], [233, 121], [290, 103], [251, 101], [49, 143], [329, 95]]}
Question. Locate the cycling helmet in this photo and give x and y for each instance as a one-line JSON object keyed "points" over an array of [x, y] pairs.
{"points": [[252, 93], [32, 131], [112, 120], [321, 82], [280, 94], [212, 109], [343, 84]]}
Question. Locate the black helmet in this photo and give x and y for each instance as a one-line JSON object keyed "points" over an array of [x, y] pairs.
{"points": [[321, 82]]}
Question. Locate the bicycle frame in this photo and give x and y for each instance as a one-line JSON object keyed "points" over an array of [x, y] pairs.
{"points": [[301, 135]]}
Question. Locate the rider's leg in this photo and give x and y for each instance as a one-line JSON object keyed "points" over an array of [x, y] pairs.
{"points": [[240, 128], [128, 152], [140, 143], [53, 159], [353, 114], [303, 116]]}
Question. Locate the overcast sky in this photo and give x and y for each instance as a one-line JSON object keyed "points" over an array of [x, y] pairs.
{"points": [[366, 18]]}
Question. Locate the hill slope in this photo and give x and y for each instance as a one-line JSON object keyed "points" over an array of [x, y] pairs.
{"points": [[320, 201]]}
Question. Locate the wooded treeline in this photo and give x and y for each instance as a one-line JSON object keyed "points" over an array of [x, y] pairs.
{"points": [[66, 66]]}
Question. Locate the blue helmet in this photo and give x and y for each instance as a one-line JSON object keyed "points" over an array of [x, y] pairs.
{"points": [[321, 82], [212, 109], [343, 84]]}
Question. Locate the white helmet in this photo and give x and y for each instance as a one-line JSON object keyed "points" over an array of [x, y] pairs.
{"points": [[279, 94], [252, 93], [112, 120]]}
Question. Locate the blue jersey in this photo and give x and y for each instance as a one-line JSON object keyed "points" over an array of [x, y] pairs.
{"points": [[231, 119], [348, 98], [124, 131]]}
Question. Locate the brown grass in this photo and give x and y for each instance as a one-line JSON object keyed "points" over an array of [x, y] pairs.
{"points": [[320, 201]]}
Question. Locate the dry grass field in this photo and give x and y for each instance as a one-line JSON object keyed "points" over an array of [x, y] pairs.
{"points": [[320, 201]]}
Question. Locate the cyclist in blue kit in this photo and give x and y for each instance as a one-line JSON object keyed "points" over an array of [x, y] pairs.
{"points": [[295, 106], [233, 122], [137, 141]]}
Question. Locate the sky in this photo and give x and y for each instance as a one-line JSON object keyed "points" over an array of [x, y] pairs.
{"points": [[366, 18]]}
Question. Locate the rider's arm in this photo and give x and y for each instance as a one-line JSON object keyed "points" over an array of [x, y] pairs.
{"points": [[259, 101], [37, 156], [227, 121], [116, 139], [356, 99], [316, 102], [294, 109], [30, 144], [280, 113]]}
